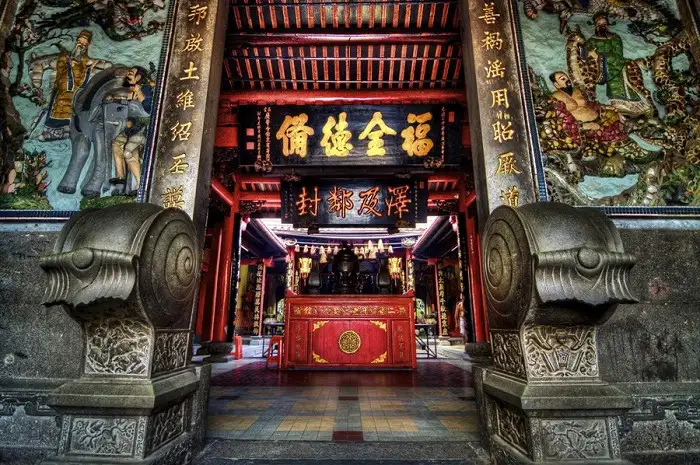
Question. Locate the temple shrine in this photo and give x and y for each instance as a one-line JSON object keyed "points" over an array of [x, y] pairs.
{"points": [[272, 232]]}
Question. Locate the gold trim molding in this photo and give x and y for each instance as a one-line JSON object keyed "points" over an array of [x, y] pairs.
{"points": [[379, 324], [380, 359], [318, 359], [319, 324]]}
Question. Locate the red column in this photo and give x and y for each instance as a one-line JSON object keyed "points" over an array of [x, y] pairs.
{"points": [[224, 280], [433, 262], [475, 277], [213, 296]]}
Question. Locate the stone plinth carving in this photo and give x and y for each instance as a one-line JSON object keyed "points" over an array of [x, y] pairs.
{"points": [[129, 275], [552, 274]]}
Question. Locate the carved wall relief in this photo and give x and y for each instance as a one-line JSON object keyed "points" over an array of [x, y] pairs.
{"points": [[170, 351], [103, 436], [507, 353], [512, 426], [579, 439], [117, 346], [552, 352], [167, 425]]}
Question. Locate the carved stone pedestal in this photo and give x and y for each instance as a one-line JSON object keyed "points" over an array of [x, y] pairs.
{"points": [[128, 274], [552, 273], [219, 352], [477, 352]]}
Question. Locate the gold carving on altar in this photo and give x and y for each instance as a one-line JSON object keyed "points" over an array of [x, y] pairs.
{"points": [[319, 324], [379, 324], [349, 342], [318, 359], [380, 359], [341, 310]]}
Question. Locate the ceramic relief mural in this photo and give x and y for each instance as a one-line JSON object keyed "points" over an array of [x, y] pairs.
{"points": [[77, 88], [615, 94]]}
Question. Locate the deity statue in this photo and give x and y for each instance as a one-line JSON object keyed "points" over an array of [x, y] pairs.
{"points": [[345, 269], [71, 71]]}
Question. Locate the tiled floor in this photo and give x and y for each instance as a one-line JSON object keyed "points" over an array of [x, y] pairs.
{"points": [[433, 403]]}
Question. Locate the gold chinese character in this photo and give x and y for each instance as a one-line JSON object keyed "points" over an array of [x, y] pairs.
{"points": [[197, 13], [179, 164], [173, 197], [185, 99], [415, 141], [306, 204], [376, 144], [506, 164], [492, 40], [495, 69], [181, 131], [511, 196], [369, 202], [397, 200], [499, 97], [294, 134], [340, 201], [193, 44], [190, 73], [489, 15], [336, 144], [502, 132]]}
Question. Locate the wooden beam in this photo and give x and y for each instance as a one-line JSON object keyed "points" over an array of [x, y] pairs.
{"points": [[345, 97], [277, 39]]}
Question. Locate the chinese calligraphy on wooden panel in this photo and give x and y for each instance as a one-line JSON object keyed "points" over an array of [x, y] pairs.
{"points": [[422, 135], [344, 202]]}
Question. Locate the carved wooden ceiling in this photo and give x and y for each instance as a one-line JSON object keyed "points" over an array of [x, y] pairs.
{"points": [[337, 45]]}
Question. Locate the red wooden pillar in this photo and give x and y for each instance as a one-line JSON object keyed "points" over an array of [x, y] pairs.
{"points": [[224, 270], [477, 288], [438, 310], [213, 297]]}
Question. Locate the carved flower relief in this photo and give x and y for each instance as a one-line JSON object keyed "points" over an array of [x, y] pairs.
{"points": [[170, 352], [167, 425], [553, 352], [103, 436], [575, 439], [512, 426], [507, 354], [117, 346]]}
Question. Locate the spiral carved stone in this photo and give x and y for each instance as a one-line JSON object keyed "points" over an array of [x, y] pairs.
{"points": [[136, 253], [168, 265], [507, 270]]}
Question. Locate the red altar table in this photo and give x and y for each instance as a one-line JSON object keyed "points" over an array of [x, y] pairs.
{"points": [[349, 331]]}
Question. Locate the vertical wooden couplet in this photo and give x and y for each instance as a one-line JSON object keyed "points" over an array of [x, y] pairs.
{"points": [[186, 126], [501, 145]]}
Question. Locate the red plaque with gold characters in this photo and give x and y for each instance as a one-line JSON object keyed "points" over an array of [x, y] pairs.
{"points": [[353, 331]]}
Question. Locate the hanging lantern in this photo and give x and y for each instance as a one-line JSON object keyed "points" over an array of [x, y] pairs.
{"points": [[306, 248], [373, 254], [323, 258], [321, 250], [305, 266], [370, 246], [313, 250], [395, 267], [297, 248], [380, 246], [335, 249], [391, 249], [356, 251]]}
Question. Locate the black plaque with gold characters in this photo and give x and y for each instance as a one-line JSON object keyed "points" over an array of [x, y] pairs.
{"points": [[355, 202], [422, 135]]}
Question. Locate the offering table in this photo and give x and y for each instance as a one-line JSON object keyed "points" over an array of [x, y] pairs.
{"points": [[349, 331]]}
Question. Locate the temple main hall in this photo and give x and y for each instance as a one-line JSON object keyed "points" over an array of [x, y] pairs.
{"points": [[380, 232]]}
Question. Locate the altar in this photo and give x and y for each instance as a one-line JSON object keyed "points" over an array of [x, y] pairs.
{"points": [[350, 331]]}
